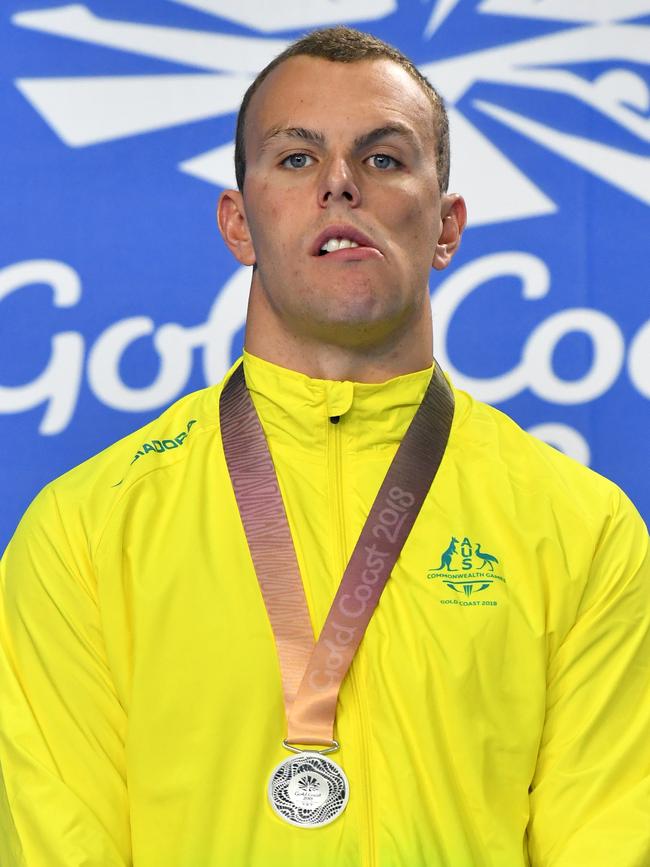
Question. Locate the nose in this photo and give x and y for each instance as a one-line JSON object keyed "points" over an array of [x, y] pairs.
{"points": [[338, 184]]}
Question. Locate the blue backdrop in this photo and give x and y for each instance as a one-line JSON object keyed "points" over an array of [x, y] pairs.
{"points": [[116, 294]]}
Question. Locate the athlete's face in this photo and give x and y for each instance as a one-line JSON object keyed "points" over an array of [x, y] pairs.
{"points": [[342, 151]]}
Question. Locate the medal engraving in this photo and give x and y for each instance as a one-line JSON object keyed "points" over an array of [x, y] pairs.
{"points": [[308, 790]]}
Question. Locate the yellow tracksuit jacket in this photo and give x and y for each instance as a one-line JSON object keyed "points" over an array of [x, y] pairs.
{"points": [[497, 713]]}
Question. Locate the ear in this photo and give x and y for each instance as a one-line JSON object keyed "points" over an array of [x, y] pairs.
{"points": [[233, 225], [453, 213]]}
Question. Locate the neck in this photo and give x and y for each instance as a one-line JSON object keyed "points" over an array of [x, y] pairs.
{"points": [[395, 352]]}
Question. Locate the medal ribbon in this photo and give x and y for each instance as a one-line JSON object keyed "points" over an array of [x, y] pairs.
{"points": [[312, 673]]}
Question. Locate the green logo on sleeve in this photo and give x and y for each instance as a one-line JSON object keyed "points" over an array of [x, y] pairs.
{"points": [[160, 446], [164, 445]]}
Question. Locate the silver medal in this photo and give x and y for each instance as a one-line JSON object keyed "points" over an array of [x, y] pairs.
{"points": [[308, 790]]}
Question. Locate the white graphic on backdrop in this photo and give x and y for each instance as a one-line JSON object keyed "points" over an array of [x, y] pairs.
{"points": [[85, 112], [618, 94], [535, 370], [629, 172], [202, 50], [216, 166], [58, 384], [441, 11], [275, 17], [596, 11], [91, 109]]}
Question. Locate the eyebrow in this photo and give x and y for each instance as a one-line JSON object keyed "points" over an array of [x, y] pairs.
{"points": [[297, 132], [362, 141], [382, 132]]}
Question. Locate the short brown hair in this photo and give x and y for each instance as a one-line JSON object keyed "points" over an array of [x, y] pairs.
{"points": [[345, 45]]}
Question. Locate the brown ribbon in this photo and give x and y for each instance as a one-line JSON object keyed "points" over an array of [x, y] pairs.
{"points": [[312, 673]]}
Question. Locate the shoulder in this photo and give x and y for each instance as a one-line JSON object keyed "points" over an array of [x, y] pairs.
{"points": [[165, 441], [534, 482], [78, 504]]}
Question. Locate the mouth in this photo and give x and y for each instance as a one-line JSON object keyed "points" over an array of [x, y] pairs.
{"points": [[336, 244], [344, 242]]}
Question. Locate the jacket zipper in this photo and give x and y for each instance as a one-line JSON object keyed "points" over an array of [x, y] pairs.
{"points": [[367, 847]]}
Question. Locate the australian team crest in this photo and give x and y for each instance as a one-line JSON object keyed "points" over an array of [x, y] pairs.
{"points": [[466, 568]]}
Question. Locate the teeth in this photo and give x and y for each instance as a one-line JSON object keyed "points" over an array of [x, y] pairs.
{"points": [[338, 244]]}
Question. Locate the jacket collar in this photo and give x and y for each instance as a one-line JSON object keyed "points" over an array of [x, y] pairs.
{"points": [[295, 410]]}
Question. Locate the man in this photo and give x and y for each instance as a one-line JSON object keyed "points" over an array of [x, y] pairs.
{"points": [[496, 712]]}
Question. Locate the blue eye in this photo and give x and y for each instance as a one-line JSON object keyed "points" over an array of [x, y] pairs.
{"points": [[383, 161], [297, 161]]}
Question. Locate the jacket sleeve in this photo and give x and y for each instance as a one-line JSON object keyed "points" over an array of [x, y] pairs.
{"points": [[590, 796], [63, 799]]}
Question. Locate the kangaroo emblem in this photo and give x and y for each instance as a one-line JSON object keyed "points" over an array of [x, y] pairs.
{"points": [[488, 559], [445, 559]]}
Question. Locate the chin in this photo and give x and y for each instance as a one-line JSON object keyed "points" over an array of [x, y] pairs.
{"points": [[356, 327], [354, 302]]}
